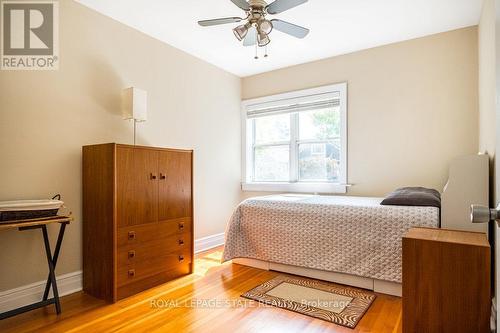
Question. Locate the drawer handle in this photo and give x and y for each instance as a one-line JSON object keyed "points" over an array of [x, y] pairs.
{"points": [[131, 254], [131, 273], [181, 242], [181, 225], [152, 176], [181, 258], [162, 176], [131, 235]]}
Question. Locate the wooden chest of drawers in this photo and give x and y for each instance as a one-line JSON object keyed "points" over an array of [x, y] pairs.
{"points": [[137, 218]]}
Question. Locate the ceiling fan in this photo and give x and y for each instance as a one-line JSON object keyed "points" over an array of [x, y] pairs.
{"points": [[256, 29]]}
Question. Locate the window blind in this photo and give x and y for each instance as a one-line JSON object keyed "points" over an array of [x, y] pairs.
{"points": [[314, 102]]}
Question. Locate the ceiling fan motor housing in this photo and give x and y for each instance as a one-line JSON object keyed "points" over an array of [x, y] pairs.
{"points": [[257, 10]]}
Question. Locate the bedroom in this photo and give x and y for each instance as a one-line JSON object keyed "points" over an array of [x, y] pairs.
{"points": [[411, 93]]}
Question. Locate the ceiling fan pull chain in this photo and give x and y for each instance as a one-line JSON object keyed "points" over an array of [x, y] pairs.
{"points": [[265, 55]]}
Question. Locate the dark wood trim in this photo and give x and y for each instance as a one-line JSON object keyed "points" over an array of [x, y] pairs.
{"points": [[98, 220], [115, 230], [191, 268]]}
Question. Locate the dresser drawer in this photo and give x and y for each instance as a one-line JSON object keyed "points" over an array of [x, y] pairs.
{"points": [[139, 270], [145, 233], [136, 286], [156, 248]]}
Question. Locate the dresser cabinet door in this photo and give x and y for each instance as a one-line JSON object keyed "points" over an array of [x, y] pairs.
{"points": [[136, 186], [174, 185]]}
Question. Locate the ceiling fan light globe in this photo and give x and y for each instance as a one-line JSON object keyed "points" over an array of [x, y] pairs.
{"points": [[265, 26], [263, 40], [240, 32]]}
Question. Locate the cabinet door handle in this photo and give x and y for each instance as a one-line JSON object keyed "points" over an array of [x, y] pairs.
{"points": [[181, 258], [181, 242], [131, 254], [181, 225], [131, 235], [162, 176], [131, 273], [152, 176]]}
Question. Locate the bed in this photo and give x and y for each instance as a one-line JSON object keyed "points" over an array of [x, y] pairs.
{"points": [[344, 239]]}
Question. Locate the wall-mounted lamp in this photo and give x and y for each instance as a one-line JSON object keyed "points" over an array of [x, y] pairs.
{"points": [[134, 105]]}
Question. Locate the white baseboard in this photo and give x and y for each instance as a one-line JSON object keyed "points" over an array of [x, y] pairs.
{"points": [[32, 293], [73, 282], [207, 243]]}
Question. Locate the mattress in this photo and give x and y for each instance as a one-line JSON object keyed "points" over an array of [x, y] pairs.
{"points": [[352, 235]]}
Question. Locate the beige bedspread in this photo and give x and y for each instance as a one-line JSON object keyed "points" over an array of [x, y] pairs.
{"points": [[352, 235]]}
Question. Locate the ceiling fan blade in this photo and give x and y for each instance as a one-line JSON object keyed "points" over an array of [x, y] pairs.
{"points": [[251, 37], [289, 28], [225, 20], [242, 4], [280, 6]]}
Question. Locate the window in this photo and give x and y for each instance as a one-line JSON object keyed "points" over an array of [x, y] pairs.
{"points": [[296, 142]]}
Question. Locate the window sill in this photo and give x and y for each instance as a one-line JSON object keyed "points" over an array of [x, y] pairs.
{"points": [[295, 187]]}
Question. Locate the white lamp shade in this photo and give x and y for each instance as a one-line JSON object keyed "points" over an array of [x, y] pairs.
{"points": [[134, 104]]}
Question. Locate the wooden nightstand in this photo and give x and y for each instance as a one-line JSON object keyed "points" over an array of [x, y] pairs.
{"points": [[446, 281]]}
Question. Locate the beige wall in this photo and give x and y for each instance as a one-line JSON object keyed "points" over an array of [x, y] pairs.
{"points": [[487, 88], [487, 80], [45, 118], [412, 106]]}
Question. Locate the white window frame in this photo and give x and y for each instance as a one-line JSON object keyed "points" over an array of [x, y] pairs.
{"points": [[301, 187]]}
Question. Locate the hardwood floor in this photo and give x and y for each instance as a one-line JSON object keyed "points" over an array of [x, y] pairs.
{"points": [[206, 301]]}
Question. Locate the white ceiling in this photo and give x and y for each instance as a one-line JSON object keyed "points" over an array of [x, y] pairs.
{"points": [[337, 27]]}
